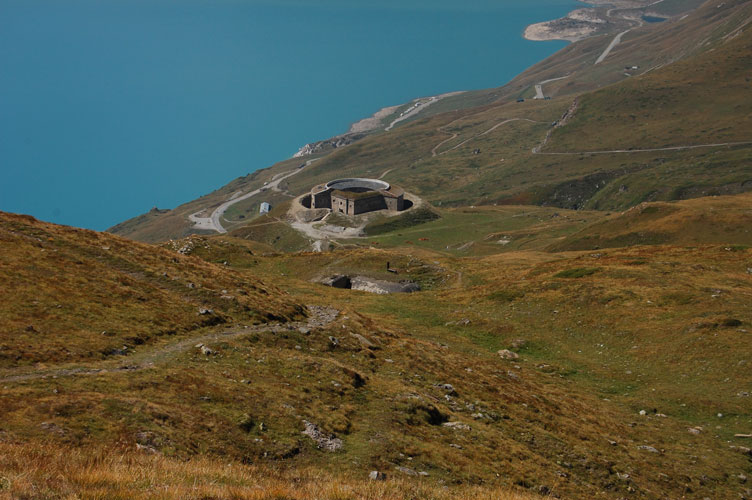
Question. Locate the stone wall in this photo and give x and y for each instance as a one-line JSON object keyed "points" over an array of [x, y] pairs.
{"points": [[322, 199], [362, 205], [342, 204], [396, 204]]}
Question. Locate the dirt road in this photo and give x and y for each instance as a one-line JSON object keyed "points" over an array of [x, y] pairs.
{"points": [[213, 223]]}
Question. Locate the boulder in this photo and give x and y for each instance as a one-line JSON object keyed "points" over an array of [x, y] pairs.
{"points": [[648, 448], [448, 388], [377, 476], [507, 354], [456, 426], [364, 342], [406, 470]]}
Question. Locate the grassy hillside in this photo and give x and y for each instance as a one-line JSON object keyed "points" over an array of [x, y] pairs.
{"points": [[705, 99], [74, 295], [722, 220], [369, 374], [582, 328], [649, 47]]}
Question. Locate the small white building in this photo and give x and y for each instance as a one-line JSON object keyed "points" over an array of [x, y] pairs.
{"points": [[264, 208]]}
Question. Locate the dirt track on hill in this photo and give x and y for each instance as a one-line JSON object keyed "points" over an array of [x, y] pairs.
{"points": [[319, 317], [649, 150], [454, 136]]}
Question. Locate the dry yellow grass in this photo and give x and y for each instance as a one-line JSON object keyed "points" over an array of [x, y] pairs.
{"points": [[45, 471], [563, 418], [717, 219]]}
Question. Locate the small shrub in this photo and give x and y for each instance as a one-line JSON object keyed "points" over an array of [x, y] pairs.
{"points": [[731, 322], [636, 262], [420, 413], [577, 272], [506, 295], [247, 423], [677, 299]]}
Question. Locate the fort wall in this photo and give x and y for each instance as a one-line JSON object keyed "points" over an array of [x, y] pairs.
{"points": [[357, 196]]}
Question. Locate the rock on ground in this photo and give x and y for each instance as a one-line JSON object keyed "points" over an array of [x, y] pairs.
{"points": [[507, 354], [324, 442]]}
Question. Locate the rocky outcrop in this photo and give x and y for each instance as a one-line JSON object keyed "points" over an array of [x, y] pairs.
{"points": [[383, 287], [328, 145], [323, 441], [371, 285]]}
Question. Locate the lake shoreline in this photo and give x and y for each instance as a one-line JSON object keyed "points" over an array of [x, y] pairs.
{"points": [[584, 22]]}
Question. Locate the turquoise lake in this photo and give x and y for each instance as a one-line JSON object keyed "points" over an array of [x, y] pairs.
{"points": [[111, 107]]}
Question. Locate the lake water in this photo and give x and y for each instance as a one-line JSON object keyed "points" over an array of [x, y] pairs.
{"points": [[111, 107]]}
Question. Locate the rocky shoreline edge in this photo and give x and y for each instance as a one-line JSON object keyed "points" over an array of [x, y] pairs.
{"points": [[576, 25], [588, 21]]}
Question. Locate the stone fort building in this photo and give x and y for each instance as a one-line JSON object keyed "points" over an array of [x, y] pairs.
{"points": [[357, 196]]}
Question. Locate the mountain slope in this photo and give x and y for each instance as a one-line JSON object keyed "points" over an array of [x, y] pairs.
{"points": [[72, 295], [722, 220], [701, 99], [414, 384]]}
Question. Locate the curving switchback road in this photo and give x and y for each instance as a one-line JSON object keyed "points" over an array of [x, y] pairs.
{"points": [[213, 223]]}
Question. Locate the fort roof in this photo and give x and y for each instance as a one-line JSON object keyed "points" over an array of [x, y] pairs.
{"points": [[393, 192], [358, 183], [357, 196]]}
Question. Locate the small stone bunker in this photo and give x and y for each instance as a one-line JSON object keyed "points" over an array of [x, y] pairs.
{"points": [[356, 196]]}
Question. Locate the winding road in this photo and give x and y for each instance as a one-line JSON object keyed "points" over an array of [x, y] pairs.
{"points": [[611, 46], [617, 38], [539, 86], [213, 223], [419, 106]]}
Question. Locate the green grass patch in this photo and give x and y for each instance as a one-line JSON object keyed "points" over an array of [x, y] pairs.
{"points": [[577, 272], [409, 219], [506, 295], [737, 248], [677, 299]]}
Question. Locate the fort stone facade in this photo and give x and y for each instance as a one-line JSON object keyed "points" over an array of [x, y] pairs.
{"points": [[357, 196]]}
